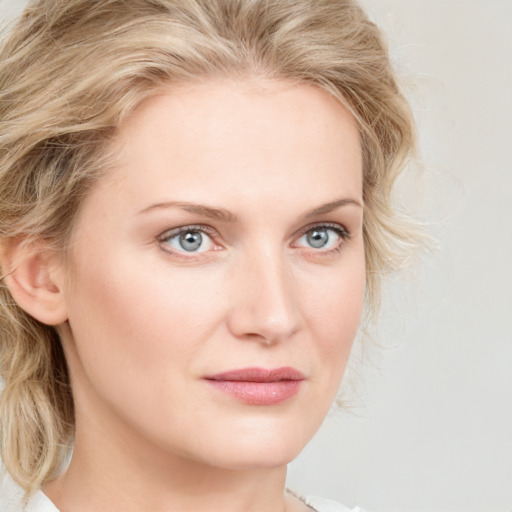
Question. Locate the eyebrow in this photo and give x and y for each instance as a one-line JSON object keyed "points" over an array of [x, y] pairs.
{"points": [[224, 215], [333, 205], [199, 209]]}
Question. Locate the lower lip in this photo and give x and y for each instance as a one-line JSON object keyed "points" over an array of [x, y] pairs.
{"points": [[258, 393]]}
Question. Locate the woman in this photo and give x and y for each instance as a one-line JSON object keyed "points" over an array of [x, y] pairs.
{"points": [[195, 205]]}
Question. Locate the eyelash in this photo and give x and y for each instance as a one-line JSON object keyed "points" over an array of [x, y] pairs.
{"points": [[341, 231], [170, 234]]}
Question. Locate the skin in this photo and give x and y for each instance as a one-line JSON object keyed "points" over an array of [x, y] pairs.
{"points": [[146, 321]]}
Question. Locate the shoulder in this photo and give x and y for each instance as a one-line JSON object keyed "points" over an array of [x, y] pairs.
{"points": [[325, 505], [11, 498]]}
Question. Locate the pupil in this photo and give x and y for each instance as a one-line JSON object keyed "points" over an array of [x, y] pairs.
{"points": [[318, 238], [191, 241]]}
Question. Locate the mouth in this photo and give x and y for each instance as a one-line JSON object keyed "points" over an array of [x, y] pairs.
{"points": [[258, 386]]}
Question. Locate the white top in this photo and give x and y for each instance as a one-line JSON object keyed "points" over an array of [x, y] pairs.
{"points": [[11, 500], [325, 505]]}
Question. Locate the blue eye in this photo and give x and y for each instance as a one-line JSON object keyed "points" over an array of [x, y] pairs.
{"points": [[323, 237], [189, 240], [197, 239]]}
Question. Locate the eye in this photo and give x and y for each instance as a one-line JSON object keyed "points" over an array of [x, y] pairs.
{"points": [[323, 238], [188, 239]]}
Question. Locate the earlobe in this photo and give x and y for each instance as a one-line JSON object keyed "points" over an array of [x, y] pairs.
{"points": [[34, 277]]}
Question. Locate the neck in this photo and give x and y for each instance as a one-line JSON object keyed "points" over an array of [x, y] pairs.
{"points": [[124, 473]]}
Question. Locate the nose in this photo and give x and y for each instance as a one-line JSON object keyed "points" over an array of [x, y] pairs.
{"points": [[265, 304]]}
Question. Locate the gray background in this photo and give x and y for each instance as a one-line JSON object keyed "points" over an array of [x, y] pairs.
{"points": [[436, 430], [431, 418]]}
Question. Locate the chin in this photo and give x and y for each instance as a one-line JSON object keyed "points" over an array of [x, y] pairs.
{"points": [[261, 445], [242, 457]]}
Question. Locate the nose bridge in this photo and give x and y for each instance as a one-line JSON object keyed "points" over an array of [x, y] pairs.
{"points": [[266, 303]]}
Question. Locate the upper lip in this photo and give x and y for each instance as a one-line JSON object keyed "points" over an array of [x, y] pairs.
{"points": [[259, 375]]}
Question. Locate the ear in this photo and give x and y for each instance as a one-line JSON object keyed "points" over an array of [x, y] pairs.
{"points": [[34, 276]]}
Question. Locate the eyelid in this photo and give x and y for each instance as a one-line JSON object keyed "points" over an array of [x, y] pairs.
{"points": [[339, 228], [170, 233], [167, 235]]}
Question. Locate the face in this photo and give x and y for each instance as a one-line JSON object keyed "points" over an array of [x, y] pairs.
{"points": [[218, 274]]}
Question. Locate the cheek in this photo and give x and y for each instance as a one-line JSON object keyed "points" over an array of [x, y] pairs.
{"points": [[136, 339], [333, 314], [143, 313]]}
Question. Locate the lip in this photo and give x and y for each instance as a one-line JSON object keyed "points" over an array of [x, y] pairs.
{"points": [[258, 386]]}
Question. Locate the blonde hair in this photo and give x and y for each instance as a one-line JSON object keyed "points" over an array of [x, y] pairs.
{"points": [[69, 74]]}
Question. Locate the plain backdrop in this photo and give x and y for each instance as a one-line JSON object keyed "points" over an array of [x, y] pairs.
{"points": [[430, 429]]}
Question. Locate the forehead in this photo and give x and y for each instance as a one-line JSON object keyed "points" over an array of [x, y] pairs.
{"points": [[269, 135]]}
